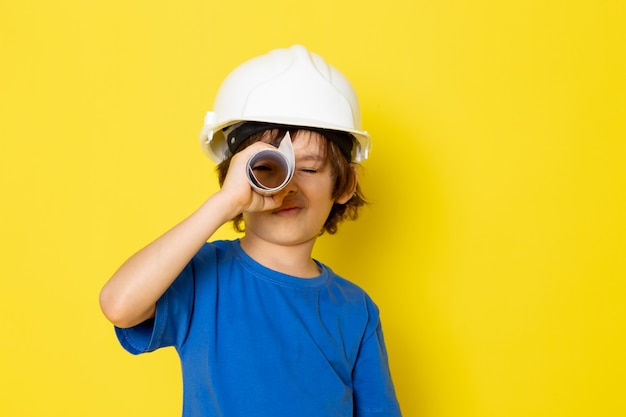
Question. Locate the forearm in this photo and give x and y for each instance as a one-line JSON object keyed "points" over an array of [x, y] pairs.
{"points": [[130, 296]]}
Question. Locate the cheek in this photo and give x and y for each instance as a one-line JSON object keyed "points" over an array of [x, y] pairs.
{"points": [[321, 192], [324, 200]]}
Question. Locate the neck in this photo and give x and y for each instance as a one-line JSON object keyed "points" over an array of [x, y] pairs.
{"points": [[292, 260]]}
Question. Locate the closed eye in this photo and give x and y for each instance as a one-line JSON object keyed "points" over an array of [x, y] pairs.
{"points": [[262, 168]]}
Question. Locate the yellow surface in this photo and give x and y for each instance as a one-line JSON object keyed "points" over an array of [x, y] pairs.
{"points": [[494, 244]]}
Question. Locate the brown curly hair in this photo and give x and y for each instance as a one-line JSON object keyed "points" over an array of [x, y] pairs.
{"points": [[341, 170]]}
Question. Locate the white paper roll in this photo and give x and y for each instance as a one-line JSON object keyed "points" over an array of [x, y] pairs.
{"points": [[270, 170]]}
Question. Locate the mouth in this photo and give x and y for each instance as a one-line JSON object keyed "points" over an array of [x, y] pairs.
{"points": [[287, 210]]}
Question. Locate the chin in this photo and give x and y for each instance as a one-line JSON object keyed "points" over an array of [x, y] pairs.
{"points": [[286, 238]]}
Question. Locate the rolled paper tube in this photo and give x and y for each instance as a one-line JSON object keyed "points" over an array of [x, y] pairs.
{"points": [[270, 170]]}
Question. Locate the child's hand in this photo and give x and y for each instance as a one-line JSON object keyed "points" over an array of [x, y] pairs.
{"points": [[237, 189]]}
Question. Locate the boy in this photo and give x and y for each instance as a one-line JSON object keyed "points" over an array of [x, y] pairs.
{"points": [[261, 328]]}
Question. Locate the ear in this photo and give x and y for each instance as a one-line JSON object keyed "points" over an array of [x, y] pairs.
{"points": [[345, 197]]}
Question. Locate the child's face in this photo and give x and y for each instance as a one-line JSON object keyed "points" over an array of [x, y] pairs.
{"points": [[308, 201]]}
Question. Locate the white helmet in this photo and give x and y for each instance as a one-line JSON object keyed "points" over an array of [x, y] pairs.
{"points": [[285, 86]]}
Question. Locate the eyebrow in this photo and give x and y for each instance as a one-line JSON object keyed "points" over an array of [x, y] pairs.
{"points": [[311, 157]]}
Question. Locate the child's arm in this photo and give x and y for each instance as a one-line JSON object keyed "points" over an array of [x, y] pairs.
{"points": [[130, 295]]}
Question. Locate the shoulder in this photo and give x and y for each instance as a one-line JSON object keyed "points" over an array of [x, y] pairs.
{"points": [[212, 251], [207, 262], [351, 292]]}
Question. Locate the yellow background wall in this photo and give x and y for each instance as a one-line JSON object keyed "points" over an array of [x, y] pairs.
{"points": [[494, 244]]}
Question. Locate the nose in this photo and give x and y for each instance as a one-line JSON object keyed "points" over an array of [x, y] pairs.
{"points": [[291, 187]]}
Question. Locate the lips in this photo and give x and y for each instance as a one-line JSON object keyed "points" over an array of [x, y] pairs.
{"points": [[287, 211], [288, 208]]}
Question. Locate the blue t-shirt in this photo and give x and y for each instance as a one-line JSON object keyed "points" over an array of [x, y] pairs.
{"points": [[256, 342]]}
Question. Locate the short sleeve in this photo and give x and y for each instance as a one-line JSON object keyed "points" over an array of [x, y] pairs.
{"points": [[170, 325], [374, 393]]}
